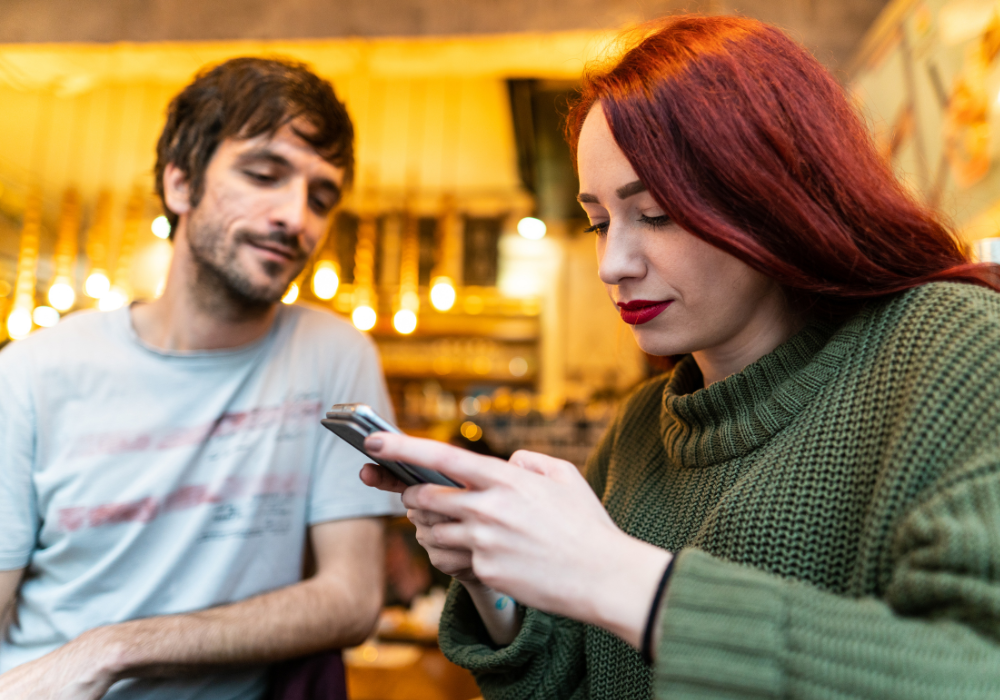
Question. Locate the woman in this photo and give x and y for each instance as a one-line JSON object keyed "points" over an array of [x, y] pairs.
{"points": [[809, 504]]}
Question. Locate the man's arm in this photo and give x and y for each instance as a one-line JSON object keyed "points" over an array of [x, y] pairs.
{"points": [[9, 582], [336, 607]]}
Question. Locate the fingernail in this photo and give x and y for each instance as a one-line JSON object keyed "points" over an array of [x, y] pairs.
{"points": [[374, 444]]}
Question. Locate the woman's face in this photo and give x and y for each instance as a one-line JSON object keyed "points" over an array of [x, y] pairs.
{"points": [[679, 294]]}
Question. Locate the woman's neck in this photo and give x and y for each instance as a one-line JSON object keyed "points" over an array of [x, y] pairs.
{"points": [[772, 325]]}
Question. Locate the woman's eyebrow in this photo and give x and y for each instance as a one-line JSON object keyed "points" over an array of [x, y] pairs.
{"points": [[623, 192], [626, 191]]}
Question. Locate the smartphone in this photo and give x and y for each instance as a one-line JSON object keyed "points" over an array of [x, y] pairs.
{"points": [[353, 422]]}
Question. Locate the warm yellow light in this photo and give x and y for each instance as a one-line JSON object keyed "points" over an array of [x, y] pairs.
{"points": [[325, 280], [61, 296], [471, 431], [19, 323], [405, 321], [160, 286], [113, 299], [45, 316], [291, 295], [442, 294], [531, 228], [470, 405], [518, 366], [161, 227], [97, 284], [364, 318]]}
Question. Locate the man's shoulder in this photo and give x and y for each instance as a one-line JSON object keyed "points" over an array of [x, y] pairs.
{"points": [[71, 334], [315, 325]]}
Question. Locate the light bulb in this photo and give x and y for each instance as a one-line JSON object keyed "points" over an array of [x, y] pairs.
{"points": [[19, 323], [97, 284], [325, 280], [160, 227], [405, 321], [62, 296], [291, 295], [364, 318], [442, 294], [531, 228]]}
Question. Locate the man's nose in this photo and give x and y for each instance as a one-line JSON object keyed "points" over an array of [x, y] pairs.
{"points": [[292, 207]]}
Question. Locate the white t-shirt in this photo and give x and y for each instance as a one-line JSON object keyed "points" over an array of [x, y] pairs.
{"points": [[136, 482]]}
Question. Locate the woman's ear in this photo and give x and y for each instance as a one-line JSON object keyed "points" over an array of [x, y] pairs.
{"points": [[176, 193]]}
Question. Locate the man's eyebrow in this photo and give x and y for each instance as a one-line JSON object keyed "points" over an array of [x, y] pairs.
{"points": [[262, 154], [589, 198], [626, 191]]}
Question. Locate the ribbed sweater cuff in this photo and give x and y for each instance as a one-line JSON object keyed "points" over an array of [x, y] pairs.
{"points": [[722, 631], [464, 640]]}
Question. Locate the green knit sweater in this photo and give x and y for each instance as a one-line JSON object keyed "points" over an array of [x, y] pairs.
{"points": [[835, 510]]}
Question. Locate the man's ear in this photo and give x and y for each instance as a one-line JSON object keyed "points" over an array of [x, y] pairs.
{"points": [[176, 192]]}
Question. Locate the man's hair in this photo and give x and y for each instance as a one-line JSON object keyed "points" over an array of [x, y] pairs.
{"points": [[243, 98]]}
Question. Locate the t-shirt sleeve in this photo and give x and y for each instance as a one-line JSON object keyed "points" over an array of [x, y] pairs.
{"points": [[19, 520], [337, 491]]}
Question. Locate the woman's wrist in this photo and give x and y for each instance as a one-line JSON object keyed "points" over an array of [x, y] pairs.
{"points": [[499, 612], [623, 592]]}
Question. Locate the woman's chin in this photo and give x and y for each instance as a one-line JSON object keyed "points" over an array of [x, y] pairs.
{"points": [[653, 343]]}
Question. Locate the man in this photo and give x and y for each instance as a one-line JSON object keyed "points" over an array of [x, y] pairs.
{"points": [[163, 466]]}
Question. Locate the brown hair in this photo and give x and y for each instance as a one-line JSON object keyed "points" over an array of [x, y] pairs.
{"points": [[243, 98]]}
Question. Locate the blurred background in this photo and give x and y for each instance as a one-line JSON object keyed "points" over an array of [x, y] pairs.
{"points": [[460, 248]]}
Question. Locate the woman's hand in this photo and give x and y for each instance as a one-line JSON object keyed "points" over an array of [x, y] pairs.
{"points": [[456, 563], [531, 528]]}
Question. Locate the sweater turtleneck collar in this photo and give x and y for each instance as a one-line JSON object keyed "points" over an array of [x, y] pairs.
{"points": [[735, 416]]}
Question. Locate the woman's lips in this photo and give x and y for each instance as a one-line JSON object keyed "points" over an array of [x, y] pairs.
{"points": [[640, 311]]}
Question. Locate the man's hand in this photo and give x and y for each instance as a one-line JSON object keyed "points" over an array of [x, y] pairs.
{"points": [[336, 607], [84, 669]]}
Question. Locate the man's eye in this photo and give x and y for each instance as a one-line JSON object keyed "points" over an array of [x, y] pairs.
{"points": [[599, 228], [320, 205], [259, 177]]}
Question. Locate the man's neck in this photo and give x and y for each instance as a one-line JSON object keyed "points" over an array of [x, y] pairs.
{"points": [[179, 322]]}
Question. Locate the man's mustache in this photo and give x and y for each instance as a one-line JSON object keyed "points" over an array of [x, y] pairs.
{"points": [[286, 240]]}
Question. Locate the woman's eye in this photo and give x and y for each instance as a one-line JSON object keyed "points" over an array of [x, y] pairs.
{"points": [[655, 221], [600, 228]]}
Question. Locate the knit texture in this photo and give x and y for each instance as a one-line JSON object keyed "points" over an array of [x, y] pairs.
{"points": [[835, 510]]}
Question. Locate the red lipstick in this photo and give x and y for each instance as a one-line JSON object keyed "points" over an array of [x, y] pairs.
{"points": [[640, 311]]}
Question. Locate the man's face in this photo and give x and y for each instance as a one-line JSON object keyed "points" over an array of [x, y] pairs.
{"points": [[264, 209]]}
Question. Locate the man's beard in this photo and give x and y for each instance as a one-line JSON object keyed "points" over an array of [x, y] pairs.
{"points": [[221, 286]]}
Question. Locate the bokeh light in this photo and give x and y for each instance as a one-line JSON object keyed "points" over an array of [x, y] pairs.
{"points": [[160, 227], [97, 284], [405, 321], [62, 296], [19, 323], [442, 293], [531, 228], [364, 318], [113, 299], [325, 280], [45, 316], [291, 295]]}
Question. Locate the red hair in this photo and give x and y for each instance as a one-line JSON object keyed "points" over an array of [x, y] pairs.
{"points": [[747, 142]]}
